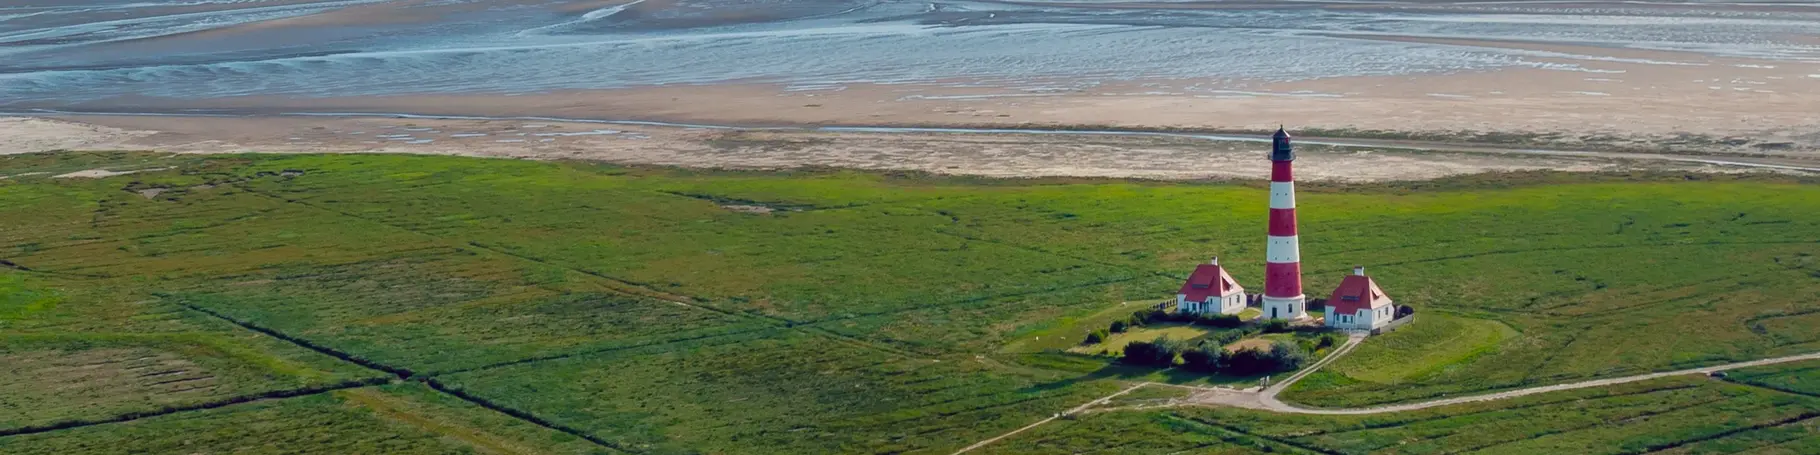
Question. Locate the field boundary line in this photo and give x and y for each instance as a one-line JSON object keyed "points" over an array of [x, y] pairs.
{"points": [[1809, 415], [457, 392], [400, 373], [405, 374], [1773, 388], [215, 404]]}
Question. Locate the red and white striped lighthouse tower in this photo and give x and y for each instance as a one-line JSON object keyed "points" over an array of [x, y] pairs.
{"points": [[1283, 297]]}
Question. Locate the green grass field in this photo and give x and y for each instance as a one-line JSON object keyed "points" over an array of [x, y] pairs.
{"points": [[362, 303], [1115, 344], [1431, 348], [1677, 415]]}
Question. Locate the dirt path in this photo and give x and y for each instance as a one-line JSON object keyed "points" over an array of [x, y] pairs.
{"points": [[1351, 342], [1265, 399], [1076, 409]]}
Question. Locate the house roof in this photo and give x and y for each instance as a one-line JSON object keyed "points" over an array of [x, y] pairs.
{"points": [[1209, 280], [1357, 292]]}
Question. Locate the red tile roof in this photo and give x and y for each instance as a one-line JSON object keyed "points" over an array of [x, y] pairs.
{"points": [[1208, 280], [1356, 292]]}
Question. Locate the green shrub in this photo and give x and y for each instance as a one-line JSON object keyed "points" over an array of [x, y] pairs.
{"points": [[1160, 353], [1226, 337], [1276, 326], [1205, 358], [1225, 321], [1282, 356], [1153, 315], [1096, 337], [1329, 340], [1119, 326], [1137, 319]]}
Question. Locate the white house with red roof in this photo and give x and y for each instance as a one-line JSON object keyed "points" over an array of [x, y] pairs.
{"points": [[1358, 304], [1210, 290]]}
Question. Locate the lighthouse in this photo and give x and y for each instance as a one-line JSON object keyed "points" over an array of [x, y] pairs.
{"points": [[1283, 297]]}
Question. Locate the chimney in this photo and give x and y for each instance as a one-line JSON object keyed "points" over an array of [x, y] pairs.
{"points": [[1358, 270], [1215, 261]]}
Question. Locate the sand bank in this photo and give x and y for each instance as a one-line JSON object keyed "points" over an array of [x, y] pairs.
{"points": [[1595, 98], [995, 155]]}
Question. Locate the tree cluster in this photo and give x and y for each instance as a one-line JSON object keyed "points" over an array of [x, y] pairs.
{"points": [[1212, 357], [1149, 316], [1160, 353]]}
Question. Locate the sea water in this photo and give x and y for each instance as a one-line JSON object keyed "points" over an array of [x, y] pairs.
{"points": [[85, 50]]}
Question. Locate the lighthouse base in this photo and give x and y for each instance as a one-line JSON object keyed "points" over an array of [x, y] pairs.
{"points": [[1285, 308]]}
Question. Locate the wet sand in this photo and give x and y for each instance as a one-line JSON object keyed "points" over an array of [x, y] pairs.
{"points": [[1634, 105], [993, 155], [1633, 100], [1640, 103]]}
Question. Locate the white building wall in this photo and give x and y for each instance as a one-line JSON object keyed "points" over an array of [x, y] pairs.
{"points": [[1365, 319], [1286, 308], [1233, 304]]}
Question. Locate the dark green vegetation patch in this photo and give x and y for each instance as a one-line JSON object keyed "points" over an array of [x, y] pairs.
{"points": [[434, 304]]}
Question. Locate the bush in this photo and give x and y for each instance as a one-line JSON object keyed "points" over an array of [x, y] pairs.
{"points": [[1137, 319], [1226, 337], [1317, 305], [1405, 310], [1152, 316], [1160, 353], [1276, 326], [1097, 337], [1328, 340], [1287, 356], [1225, 321], [1282, 356], [1118, 326], [1248, 362], [1206, 358], [1308, 344], [1187, 318]]}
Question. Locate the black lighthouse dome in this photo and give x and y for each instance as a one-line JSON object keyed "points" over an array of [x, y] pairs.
{"points": [[1280, 150]]}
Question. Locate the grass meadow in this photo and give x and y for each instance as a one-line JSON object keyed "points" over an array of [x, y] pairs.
{"points": [[406, 304], [1674, 415]]}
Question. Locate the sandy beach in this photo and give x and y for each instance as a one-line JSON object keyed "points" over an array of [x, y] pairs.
{"points": [[982, 154], [1490, 81]]}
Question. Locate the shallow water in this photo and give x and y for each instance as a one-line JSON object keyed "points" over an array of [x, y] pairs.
{"points": [[96, 49]]}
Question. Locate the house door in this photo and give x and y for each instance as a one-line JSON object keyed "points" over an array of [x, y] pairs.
{"points": [[1273, 313]]}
